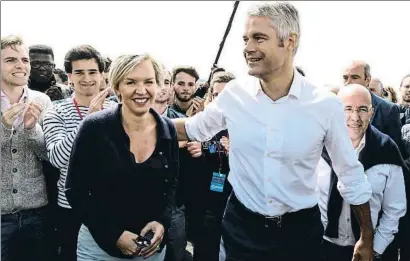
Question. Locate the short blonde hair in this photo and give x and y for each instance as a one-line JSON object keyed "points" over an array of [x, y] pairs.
{"points": [[11, 41], [123, 66]]}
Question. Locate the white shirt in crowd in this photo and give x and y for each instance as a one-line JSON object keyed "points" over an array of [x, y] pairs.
{"points": [[275, 145], [388, 196]]}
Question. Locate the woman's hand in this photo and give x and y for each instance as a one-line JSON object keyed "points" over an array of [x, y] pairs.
{"points": [[158, 230], [126, 243]]}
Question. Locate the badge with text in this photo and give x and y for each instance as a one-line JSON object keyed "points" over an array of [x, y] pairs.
{"points": [[218, 182]]}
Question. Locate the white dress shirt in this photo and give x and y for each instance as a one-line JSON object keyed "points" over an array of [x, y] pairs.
{"points": [[275, 145], [388, 196]]}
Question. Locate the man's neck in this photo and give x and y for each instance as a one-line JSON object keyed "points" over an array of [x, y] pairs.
{"points": [[162, 108], [277, 84], [184, 106], [132, 122], [39, 86], [83, 100], [13, 93], [356, 142]]}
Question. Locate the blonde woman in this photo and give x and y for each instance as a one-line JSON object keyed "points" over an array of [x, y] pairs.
{"points": [[389, 94], [123, 169]]}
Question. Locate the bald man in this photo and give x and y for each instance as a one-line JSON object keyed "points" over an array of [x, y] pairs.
{"points": [[382, 163], [386, 115]]}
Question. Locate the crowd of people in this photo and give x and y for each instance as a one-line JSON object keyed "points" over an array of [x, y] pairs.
{"points": [[122, 159]]}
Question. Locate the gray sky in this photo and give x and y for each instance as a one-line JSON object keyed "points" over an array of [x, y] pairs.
{"points": [[190, 32]]}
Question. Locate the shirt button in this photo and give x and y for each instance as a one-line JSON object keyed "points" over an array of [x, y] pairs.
{"points": [[165, 194], [270, 201], [15, 191], [14, 131], [160, 153], [166, 166], [14, 170], [13, 150], [348, 220], [166, 180]]}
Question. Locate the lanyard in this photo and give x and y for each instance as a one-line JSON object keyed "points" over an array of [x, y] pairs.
{"points": [[78, 109]]}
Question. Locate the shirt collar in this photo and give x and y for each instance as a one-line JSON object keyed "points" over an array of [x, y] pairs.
{"points": [[23, 96], [162, 126], [361, 145], [295, 88]]}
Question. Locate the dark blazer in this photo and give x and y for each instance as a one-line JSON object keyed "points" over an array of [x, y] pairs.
{"points": [[386, 118], [111, 191]]}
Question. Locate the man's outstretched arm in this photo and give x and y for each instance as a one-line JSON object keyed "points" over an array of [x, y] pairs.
{"points": [[180, 126]]}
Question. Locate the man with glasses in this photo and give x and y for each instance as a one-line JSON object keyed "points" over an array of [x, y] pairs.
{"points": [[42, 77], [382, 163]]}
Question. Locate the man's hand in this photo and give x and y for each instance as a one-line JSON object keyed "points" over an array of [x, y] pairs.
{"points": [[97, 103], [158, 230], [126, 243], [363, 250], [32, 115], [11, 114], [194, 148], [225, 143], [197, 106]]}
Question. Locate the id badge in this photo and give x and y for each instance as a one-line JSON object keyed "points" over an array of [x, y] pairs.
{"points": [[212, 148], [218, 182]]}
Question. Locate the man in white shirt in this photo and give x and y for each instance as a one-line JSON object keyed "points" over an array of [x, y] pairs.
{"points": [[278, 125], [383, 164]]}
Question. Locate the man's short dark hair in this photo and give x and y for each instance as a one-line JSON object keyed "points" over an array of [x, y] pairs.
{"points": [[404, 78], [186, 69], [300, 70], [107, 63], [62, 74], [83, 52], [40, 48]]}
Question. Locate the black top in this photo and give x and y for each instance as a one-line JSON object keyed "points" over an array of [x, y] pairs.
{"points": [[217, 162], [114, 193]]}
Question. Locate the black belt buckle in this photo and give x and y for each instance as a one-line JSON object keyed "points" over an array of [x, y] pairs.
{"points": [[277, 220]]}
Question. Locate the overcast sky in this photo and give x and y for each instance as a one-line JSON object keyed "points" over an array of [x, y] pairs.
{"points": [[190, 32]]}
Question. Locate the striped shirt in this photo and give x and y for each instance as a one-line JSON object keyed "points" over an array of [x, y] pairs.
{"points": [[60, 128]]}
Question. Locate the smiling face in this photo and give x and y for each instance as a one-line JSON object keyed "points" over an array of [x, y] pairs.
{"points": [[264, 52], [139, 88], [42, 66], [15, 66], [85, 77], [358, 109]]}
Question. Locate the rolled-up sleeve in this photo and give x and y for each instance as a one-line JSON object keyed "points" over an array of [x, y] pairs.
{"points": [[206, 124], [393, 207], [352, 185]]}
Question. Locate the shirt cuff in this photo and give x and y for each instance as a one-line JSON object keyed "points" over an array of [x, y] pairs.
{"points": [[379, 243], [355, 194], [187, 127]]}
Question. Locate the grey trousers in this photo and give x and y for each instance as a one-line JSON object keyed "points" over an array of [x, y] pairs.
{"points": [[87, 250]]}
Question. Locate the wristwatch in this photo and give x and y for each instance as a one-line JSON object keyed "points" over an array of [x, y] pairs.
{"points": [[377, 256]]}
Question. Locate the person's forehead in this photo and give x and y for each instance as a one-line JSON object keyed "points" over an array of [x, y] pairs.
{"points": [[15, 51], [356, 100], [183, 76], [354, 69], [41, 57], [406, 81], [84, 64]]}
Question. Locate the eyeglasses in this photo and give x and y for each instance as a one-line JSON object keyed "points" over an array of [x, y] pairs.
{"points": [[46, 65], [361, 111], [214, 95]]}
